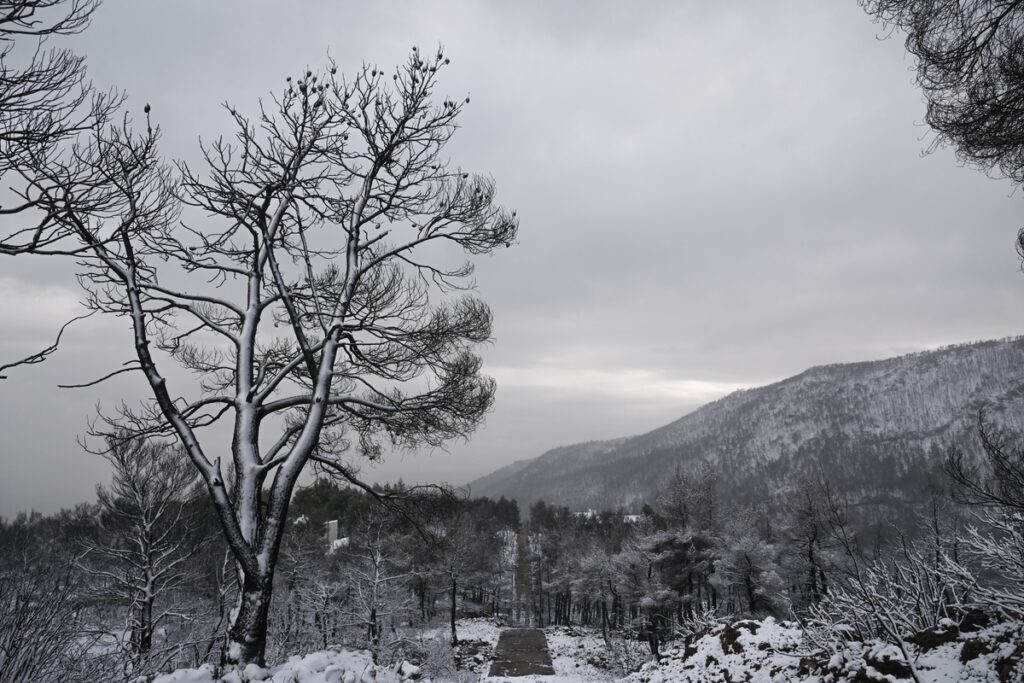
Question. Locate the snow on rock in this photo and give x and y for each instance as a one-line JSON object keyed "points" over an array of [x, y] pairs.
{"points": [[775, 652], [203, 674], [759, 652], [992, 653], [327, 666], [408, 671]]}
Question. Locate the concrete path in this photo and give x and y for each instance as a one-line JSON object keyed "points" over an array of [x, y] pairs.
{"points": [[522, 652]]}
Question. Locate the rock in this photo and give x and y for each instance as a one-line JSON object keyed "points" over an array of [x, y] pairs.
{"points": [[334, 674], [252, 672], [1011, 669], [808, 666], [409, 671], [933, 637], [974, 648], [690, 644], [888, 662], [731, 634], [974, 620]]}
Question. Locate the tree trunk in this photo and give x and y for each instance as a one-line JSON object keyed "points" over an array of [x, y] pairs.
{"points": [[247, 635], [146, 625], [455, 637], [375, 628], [812, 575], [604, 621], [653, 636]]}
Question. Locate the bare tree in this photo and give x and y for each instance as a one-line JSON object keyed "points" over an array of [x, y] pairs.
{"points": [[308, 290], [43, 635], [747, 575], [889, 598], [148, 536], [690, 497], [995, 552], [994, 548], [597, 571], [378, 578], [460, 543], [44, 95], [45, 104], [997, 481], [806, 534], [309, 591], [39, 621]]}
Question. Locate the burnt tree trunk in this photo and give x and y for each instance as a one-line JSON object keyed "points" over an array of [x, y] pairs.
{"points": [[455, 637]]}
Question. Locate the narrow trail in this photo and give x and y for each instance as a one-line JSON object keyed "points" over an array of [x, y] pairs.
{"points": [[522, 652]]}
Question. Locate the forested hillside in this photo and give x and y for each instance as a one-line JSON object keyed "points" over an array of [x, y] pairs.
{"points": [[877, 430]]}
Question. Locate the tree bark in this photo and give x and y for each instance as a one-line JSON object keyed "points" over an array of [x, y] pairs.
{"points": [[247, 635], [146, 625]]}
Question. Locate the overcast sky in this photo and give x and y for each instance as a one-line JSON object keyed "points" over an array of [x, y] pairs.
{"points": [[712, 196]]}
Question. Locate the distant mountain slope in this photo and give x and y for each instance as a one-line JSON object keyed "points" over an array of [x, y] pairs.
{"points": [[875, 429]]}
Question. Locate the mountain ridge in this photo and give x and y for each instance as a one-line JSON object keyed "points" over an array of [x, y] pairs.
{"points": [[879, 427]]}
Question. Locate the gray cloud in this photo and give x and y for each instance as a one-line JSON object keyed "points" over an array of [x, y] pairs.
{"points": [[712, 195]]}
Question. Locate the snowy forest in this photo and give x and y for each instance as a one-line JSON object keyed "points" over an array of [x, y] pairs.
{"points": [[424, 579], [296, 304]]}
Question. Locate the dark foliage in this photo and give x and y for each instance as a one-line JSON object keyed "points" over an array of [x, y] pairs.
{"points": [[970, 66]]}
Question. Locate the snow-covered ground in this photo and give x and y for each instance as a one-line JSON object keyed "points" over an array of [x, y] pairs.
{"points": [[329, 666], [766, 651], [579, 655], [477, 629], [481, 629], [477, 640]]}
